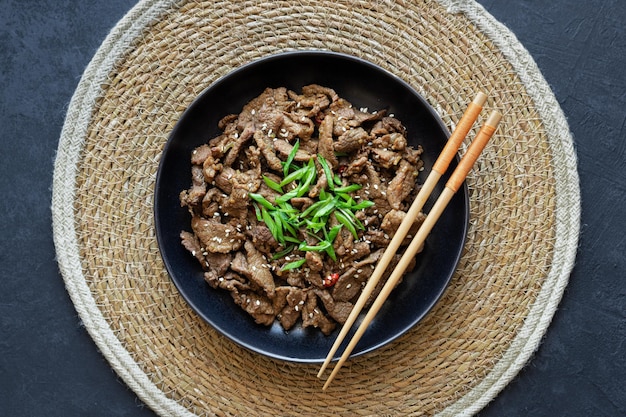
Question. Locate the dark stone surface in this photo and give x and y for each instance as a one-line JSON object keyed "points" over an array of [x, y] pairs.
{"points": [[50, 366]]}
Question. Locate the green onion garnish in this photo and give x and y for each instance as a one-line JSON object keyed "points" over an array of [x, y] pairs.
{"points": [[287, 223]]}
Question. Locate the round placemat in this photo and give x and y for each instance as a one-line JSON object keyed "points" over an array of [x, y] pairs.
{"points": [[524, 199]]}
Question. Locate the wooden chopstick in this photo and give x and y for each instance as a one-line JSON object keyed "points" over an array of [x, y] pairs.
{"points": [[439, 168], [452, 186]]}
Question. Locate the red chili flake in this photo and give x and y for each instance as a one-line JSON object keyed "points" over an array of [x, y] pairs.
{"points": [[342, 168], [331, 280], [319, 117]]}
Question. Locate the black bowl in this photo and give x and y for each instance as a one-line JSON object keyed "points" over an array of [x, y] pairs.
{"points": [[364, 85]]}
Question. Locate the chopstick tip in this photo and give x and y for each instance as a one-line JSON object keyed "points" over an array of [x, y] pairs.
{"points": [[494, 118], [480, 98]]}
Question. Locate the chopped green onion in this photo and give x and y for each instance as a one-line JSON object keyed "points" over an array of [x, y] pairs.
{"points": [[317, 248], [261, 200], [286, 197], [283, 252], [341, 218], [362, 205], [296, 175], [348, 189], [290, 158], [293, 265], [257, 211], [333, 233], [286, 222], [327, 171], [269, 222], [272, 184]]}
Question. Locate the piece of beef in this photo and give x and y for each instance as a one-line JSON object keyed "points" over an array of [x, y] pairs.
{"points": [[394, 218], [385, 157], [267, 150], [257, 305], [352, 140], [374, 190], [284, 148], [229, 282], [198, 188], [192, 244], [356, 166], [388, 125], [200, 154], [338, 310], [313, 316], [414, 156], [314, 261], [325, 144], [292, 312], [215, 236], [394, 141], [402, 184], [262, 239], [258, 267], [296, 126], [212, 202], [237, 141], [223, 179]]}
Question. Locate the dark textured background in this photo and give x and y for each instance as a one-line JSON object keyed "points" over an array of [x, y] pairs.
{"points": [[50, 366]]}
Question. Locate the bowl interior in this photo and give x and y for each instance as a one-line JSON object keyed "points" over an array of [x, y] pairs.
{"points": [[364, 85]]}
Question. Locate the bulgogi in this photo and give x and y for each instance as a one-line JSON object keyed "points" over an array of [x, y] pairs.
{"points": [[295, 201]]}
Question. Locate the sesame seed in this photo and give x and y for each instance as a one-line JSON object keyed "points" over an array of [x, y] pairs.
{"points": [[253, 112], [296, 308], [258, 302], [348, 286]]}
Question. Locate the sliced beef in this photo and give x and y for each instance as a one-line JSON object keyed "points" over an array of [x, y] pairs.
{"points": [[192, 244], [264, 143], [238, 141], [198, 188], [312, 316], [386, 158], [352, 140], [236, 250], [325, 144], [257, 305], [392, 221], [402, 184], [338, 310], [216, 236], [258, 268], [262, 239], [284, 148], [292, 312], [200, 154]]}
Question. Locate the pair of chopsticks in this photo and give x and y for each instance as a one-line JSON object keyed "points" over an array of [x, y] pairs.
{"points": [[454, 183]]}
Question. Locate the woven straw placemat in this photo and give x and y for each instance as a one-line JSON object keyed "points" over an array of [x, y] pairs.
{"points": [[524, 198]]}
